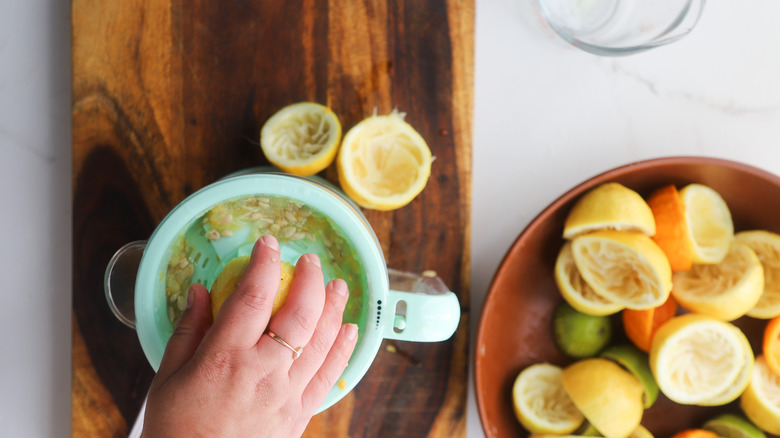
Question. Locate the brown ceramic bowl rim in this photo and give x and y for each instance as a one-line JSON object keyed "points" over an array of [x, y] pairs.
{"points": [[572, 194]]}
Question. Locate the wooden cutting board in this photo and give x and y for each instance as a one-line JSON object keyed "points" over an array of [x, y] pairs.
{"points": [[169, 96]]}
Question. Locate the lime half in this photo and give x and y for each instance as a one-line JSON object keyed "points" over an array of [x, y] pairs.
{"points": [[578, 334], [733, 426], [587, 429], [638, 363]]}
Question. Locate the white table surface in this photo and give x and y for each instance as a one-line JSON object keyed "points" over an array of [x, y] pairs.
{"points": [[546, 117]]}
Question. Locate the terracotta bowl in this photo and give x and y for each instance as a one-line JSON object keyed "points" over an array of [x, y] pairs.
{"points": [[515, 327]]}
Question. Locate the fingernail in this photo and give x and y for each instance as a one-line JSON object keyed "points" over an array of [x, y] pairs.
{"points": [[270, 242], [312, 258], [351, 331], [340, 287], [190, 296]]}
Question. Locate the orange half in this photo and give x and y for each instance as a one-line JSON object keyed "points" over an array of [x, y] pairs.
{"points": [[771, 345], [696, 433], [640, 325], [670, 227]]}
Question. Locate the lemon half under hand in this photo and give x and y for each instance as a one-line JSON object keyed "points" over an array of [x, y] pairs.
{"points": [[231, 274]]}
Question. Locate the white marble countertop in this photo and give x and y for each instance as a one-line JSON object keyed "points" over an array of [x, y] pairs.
{"points": [[547, 116]]}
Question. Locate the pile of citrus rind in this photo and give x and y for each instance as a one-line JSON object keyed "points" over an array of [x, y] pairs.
{"points": [[383, 163], [675, 269]]}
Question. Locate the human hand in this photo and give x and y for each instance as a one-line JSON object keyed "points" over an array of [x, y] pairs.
{"points": [[230, 378]]}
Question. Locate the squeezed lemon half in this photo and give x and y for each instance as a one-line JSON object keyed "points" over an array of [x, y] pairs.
{"points": [[761, 399], [383, 163], [576, 291], [725, 290], [710, 227], [610, 206], [540, 402], [625, 267], [699, 360], [767, 247], [302, 138]]}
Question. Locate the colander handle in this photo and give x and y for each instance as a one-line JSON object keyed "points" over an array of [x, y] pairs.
{"points": [[119, 281], [423, 308]]}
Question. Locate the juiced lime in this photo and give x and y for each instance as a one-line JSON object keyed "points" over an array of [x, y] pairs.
{"points": [[733, 426], [637, 362], [587, 429], [580, 335]]}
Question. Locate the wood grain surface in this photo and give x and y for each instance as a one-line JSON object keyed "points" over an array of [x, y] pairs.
{"points": [[169, 96]]}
